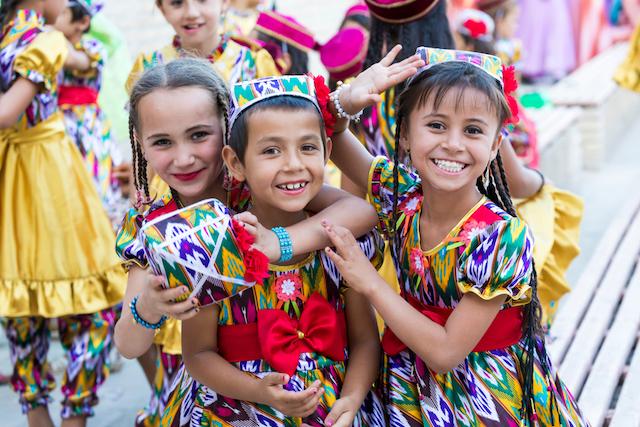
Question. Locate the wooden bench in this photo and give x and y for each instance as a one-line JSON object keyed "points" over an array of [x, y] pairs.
{"points": [[607, 109], [559, 144], [594, 337]]}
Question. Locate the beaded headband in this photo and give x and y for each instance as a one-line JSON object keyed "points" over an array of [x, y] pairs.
{"points": [[243, 95], [91, 6], [490, 64]]}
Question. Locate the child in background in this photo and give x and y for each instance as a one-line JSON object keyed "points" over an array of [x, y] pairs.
{"points": [[57, 261], [183, 144], [474, 31], [240, 18], [298, 348], [288, 41], [85, 121], [466, 323]]}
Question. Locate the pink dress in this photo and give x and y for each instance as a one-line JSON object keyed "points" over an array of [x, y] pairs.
{"points": [[547, 33]]}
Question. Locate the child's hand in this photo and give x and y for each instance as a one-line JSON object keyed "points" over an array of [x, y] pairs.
{"points": [[156, 301], [355, 267], [290, 403], [123, 173], [365, 89], [266, 240], [342, 413]]}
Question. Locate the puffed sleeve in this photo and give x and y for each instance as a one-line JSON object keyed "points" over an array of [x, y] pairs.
{"points": [[265, 65], [128, 245], [43, 59], [136, 71], [381, 184], [498, 261], [96, 53]]}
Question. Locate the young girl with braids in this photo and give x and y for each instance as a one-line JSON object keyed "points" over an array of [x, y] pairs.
{"points": [[56, 262], [183, 145], [463, 343]]}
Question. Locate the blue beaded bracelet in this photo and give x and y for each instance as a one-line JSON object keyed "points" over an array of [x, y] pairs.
{"points": [[140, 321], [286, 248]]}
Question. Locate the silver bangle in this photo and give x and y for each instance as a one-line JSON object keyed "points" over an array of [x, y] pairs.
{"points": [[335, 97]]}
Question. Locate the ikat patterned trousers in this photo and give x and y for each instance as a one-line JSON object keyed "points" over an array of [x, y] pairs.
{"points": [[86, 340]]}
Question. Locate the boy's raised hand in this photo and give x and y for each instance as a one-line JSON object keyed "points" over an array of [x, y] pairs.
{"points": [[365, 89]]}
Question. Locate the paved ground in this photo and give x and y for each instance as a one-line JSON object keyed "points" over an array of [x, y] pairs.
{"points": [[126, 391]]}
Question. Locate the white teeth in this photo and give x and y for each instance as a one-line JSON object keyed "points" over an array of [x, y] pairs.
{"points": [[295, 186], [449, 166]]}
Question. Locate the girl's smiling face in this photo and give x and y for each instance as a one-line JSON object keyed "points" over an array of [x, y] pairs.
{"points": [[182, 143], [194, 21], [284, 158], [452, 144]]}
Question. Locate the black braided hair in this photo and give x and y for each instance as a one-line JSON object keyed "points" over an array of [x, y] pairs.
{"points": [[8, 9], [184, 72], [433, 84]]}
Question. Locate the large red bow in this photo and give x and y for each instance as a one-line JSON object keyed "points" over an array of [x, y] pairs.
{"points": [[321, 329], [476, 28]]}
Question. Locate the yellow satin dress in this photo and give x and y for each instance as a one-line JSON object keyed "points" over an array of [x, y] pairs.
{"points": [[554, 218], [628, 74], [56, 242]]}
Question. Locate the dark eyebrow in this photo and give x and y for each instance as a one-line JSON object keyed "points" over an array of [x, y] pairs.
{"points": [[479, 121]]}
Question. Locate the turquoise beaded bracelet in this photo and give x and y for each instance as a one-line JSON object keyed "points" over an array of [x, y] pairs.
{"points": [[140, 321], [286, 247]]}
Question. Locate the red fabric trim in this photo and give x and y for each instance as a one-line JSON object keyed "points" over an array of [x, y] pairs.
{"points": [[169, 207], [77, 95], [280, 339], [504, 331], [237, 343]]}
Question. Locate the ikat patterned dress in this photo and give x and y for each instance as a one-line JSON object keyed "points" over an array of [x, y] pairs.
{"points": [[173, 389], [487, 253], [290, 289], [89, 128]]}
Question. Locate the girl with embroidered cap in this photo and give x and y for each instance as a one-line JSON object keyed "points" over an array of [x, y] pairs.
{"points": [[85, 121], [57, 258], [288, 41], [463, 343], [183, 145], [298, 348]]}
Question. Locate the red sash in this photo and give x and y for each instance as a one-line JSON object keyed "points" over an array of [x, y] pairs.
{"points": [[280, 339], [77, 95], [504, 331]]}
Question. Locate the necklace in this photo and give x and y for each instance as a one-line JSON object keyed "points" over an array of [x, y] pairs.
{"points": [[212, 57]]}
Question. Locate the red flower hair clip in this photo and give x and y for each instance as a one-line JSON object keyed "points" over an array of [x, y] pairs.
{"points": [[476, 28], [323, 97], [510, 85]]}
